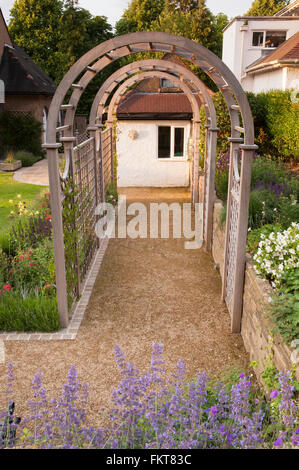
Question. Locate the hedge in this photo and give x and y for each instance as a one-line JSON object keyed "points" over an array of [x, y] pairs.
{"points": [[276, 117]]}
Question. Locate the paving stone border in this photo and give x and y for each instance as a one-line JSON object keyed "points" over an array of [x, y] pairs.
{"points": [[69, 333]]}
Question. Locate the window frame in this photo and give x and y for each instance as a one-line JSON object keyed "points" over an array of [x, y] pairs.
{"points": [[265, 31], [172, 158]]}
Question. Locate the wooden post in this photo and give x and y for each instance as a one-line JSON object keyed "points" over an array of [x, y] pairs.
{"points": [[58, 238], [196, 161], [242, 230], [210, 181], [92, 132], [234, 146]]}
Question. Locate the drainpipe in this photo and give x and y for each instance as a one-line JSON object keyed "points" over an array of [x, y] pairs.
{"points": [[243, 30]]}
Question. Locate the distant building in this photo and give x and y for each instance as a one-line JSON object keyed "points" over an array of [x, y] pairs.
{"points": [[155, 134], [27, 88], [263, 51]]}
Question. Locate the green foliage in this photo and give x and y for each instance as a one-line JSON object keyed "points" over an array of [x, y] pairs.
{"points": [[9, 189], [261, 208], [254, 236], [221, 184], [284, 307], [196, 23], [20, 132], [282, 117], [274, 193], [275, 118], [266, 7], [56, 33], [112, 194], [33, 313], [27, 158], [79, 32], [35, 27], [139, 16]]}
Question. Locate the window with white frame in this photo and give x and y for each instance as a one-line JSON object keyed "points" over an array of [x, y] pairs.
{"points": [[171, 142], [268, 38]]}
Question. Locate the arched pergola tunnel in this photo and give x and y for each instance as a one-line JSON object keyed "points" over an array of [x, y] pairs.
{"points": [[239, 185], [176, 70]]}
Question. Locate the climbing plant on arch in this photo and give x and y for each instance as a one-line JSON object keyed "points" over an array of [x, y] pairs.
{"points": [[242, 145]]}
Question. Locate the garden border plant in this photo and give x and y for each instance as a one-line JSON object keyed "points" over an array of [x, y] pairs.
{"points": [[155, 411]]}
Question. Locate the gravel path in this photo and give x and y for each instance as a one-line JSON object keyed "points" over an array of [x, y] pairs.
{"points": [[147, 290]]}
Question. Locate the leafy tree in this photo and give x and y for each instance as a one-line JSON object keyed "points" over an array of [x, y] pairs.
{"points": [[55, 33], [80, 32], [183, 5], [266, 7], [221, 20], [139, 16], [197, 24], [34, 26]]}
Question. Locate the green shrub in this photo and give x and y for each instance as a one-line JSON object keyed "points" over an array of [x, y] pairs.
{"points": [[20, 132], [275, 118], [27, 158], [221, 184], [255, 236], [34, 313], [284, 307], [262, 208]]}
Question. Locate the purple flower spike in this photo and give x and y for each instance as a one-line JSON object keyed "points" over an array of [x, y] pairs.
{"points": [[274, 394], [213, 410], [278, 442]]}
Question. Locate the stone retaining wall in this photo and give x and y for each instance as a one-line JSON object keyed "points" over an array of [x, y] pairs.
{"points": [[256, 326]]}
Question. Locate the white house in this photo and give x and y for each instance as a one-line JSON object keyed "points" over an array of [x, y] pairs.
{"points": [[154, 135], [249, 45]]}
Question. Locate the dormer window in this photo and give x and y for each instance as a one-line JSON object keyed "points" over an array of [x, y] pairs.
{"points": [[269, 39]]}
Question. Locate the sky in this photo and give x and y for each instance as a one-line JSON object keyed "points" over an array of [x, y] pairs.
{"points": [[113, 9]]}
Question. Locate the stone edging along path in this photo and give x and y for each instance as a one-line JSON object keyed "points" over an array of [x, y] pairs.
{"points": [[71, 331]]}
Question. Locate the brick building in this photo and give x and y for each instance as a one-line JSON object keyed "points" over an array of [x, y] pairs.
{"points": [[27, 89]]}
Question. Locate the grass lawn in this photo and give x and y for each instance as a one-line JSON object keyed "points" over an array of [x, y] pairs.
{"points": [[9, 189]]}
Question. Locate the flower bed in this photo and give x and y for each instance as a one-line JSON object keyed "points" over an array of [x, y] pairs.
{"points": [[152, 411], [27, 270]]}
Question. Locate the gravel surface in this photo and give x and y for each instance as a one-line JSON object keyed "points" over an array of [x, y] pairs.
{"points": [[147, 290]]}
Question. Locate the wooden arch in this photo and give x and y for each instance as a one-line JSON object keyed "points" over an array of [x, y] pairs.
{"points": [[95, 119], [239, 185]]}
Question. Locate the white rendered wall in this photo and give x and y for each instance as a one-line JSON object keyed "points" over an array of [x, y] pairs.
{"points": [[281, 79], [138, 162], [233, 53], [264, 81]]}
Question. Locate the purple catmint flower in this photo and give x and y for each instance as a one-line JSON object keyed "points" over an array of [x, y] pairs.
{"points": [[213, 410], [274, 394], [278, 442]]}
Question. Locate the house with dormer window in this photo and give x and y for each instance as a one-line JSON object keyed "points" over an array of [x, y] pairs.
{"points": [[263, 51]]}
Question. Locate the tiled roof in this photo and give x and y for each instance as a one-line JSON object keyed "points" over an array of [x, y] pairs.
{"points": [[287, 50], [156, 105], [22, 76]]}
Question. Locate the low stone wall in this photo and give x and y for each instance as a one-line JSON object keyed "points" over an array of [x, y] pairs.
{"points": [[256, 326]]}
